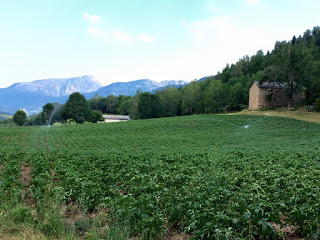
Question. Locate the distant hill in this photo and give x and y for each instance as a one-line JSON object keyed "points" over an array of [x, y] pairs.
{"points": [[131, 88], [33, 95], [204, 78], [170, 86], [4, 115], [57, 87]]}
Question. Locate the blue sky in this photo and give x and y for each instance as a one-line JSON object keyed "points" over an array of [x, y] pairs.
{"points": [[123, 40]]}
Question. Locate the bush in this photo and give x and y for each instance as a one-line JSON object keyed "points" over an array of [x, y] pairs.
{"points": [[95, 116], [317, 105]]}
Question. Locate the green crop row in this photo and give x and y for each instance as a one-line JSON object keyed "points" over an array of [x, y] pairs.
{"points": [[209, 177]]}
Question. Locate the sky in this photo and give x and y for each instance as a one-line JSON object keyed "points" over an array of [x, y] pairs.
{"points": [[124, 40]]}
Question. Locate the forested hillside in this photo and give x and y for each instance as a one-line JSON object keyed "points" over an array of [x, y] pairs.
{"points": [[295, 62]]}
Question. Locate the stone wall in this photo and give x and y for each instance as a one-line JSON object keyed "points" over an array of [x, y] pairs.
{"points": [[275, 98], [270, 97], [256, 98]]}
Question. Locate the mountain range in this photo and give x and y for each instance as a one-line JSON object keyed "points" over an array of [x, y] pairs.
{"points": [[57, 87], [33, 95], [131, 88]]}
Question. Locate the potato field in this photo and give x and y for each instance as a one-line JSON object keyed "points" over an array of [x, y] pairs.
{"points": [[193, 177]]}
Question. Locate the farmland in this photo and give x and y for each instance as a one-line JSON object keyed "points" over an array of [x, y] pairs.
{"points": [[206, 177]]}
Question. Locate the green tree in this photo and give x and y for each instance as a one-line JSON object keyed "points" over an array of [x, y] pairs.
{"points": [[237, 96], [294, 66], [124, 104], [112, 104], [20, 118], [144, 106], [94, 103], [216, 96], [47, 111], [76, 108], [95, 116], [134, 103], [171, 101], [191, 99], [156, 106]]}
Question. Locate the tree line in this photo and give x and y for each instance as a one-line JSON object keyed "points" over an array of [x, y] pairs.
{"points": [[295, 62], [76, 109]]}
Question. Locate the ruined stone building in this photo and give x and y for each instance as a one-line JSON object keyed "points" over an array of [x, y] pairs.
{"points": [[270, 94]]}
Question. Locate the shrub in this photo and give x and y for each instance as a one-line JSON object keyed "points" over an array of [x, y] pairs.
{"points": [[95, 116], [21, 214]]}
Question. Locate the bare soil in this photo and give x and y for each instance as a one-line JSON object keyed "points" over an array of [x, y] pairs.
{"points": [[25, 180], [288, 231], [45, 142]]}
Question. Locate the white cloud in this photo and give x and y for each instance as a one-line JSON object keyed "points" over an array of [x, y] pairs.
{"points": [[96, 32], [252, 1], [216, 41], [121, 35], [145, 37], [117, 35], [211, 6], [93, 18], [201, 29]]}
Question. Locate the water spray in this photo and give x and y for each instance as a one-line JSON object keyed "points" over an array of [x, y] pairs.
{"points": [[244, 127], [56, 108], [51, 116]]}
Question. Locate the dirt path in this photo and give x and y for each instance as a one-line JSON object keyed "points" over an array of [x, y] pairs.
{"points": [[299, 115], [25, 174], [25, 180], [45, 142]]}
